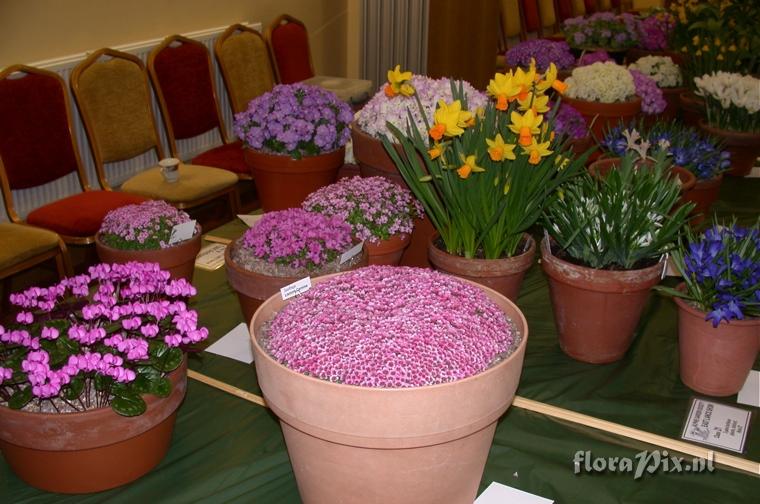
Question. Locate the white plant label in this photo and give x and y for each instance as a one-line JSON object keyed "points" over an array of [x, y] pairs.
{"points": [[350, 253], [211, 257], [750, 392], [296, 288], [250, 220], [182, 232], [717, 424]]}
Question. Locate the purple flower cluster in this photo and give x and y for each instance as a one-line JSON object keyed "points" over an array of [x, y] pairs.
{"points": [[298, 238], [144, 226], [589, 58], [569, 122], [603, 30], [655, 31], [295, 119], [390, 327], [544, 52], [114, 322], [652, 99], [374, 207]]}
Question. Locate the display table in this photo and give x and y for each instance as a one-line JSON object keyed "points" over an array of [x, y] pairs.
{"points": [[226, 449]]}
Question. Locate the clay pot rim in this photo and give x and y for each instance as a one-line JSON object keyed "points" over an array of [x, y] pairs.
{"points": [[476, 260], [570, 101], [195, 238], [516, 352], [738, 137], [685, 305], [285, 165], [402, 237], [286, 156], [691, 179], [709, 182]]}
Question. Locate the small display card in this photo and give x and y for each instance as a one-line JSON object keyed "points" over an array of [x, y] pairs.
{"points": [[182, 232], [496, 493], [350, 253], [296, 288], [715, 424], [750, 392], [250, 220], [236, 344], [211, 257]]}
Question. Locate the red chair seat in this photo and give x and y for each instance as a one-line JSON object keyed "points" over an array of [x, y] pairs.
{"points": [[228, 157], [80, 215]]}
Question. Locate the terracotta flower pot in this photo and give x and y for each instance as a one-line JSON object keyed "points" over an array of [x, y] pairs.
{"points": [[283, 182], [692, 108], [90, 451], [179, 260], [505, 276], [743, 146], [379, 446], [635, 53], [253, 288], [388, 251], [596, 311], [703, 195], [605, 115], [673, 100], [603, 166], [715, 360]]}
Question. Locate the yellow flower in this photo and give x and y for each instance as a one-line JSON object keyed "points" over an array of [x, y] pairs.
{"points": [[705, 47], [435, 151], [468, 166], [698, 53], [550, 81], [450, 120], [525, 125], [732, 48], [695, 40], [538, 104], [717, 41], [504, 88], [498, 150], [397, 83], [536, 151], [720, 57]]}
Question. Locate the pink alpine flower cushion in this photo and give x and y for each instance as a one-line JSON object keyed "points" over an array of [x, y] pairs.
{"points": [[390, 327], [145, 226], [374, 207]]}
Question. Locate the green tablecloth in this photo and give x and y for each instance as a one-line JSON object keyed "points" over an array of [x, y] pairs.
{"points": [[228, 450]]}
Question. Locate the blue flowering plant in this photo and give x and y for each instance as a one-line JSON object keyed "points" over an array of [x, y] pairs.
{"points": [[296, 120], [721, 271]]}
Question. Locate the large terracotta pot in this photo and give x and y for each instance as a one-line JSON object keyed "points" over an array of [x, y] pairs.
{"points": [[388, 251], [179, 260], [692, 108], [743, 146], [505, 276], [603, 166], [283, 182], [375, 162], [596, 311], [90, 451], [715, 360], [703, 195], [253, 288], [605, 115], [379, 446]]}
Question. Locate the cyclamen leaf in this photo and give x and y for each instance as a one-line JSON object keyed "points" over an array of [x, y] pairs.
{"points": [[170, 360], [161, 387], [74, 389], [20, 398], [129, 405]]}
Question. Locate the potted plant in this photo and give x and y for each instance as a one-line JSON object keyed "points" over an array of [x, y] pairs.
{"points": [[732, 103], [380, 213], [718, 307], [655, 31], [142, 233], [368, 382], [294, 138], [283, 247], [602, 30], [91, 375], [591, 57], [484, 178], [667, 75], [609, 237], [543, 52]]}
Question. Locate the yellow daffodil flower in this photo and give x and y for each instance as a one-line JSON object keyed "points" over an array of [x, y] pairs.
{"points": [[435, 151], [550, 81], [498, 150], [526, 126], [468, 166], [449, 120], [536, 151], [538, 104], [525, 80], [504, 88], [397, 83]]}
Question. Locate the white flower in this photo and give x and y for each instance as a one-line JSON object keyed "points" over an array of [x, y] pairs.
{"points": [[731, 89], [661, 69], [604, 82]]}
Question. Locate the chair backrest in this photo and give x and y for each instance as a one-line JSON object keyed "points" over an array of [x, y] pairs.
{"points": [[547, 14], [37, 143], [113, 94], [511, 23], [563, 9], [180, 69], [532, 17], [288, 42], [579, 7], [244, 61]]}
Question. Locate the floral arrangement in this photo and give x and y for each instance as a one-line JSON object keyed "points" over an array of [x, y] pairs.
{"points": [[589, 58], [732, 100], [543, 52], [375, 207], [685, 147], [400, 342], [144, 226], [382, 109], [296, 120], [655, 30], [609, 83], [623, 220], [484, 177], [652, 99], [297, 238], [721, 271], [95, 340], [570, 123], [659, 68], [603, 30]]}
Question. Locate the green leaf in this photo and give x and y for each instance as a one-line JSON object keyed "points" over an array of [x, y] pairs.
{"points": [[74, 389], [142, 383], [20, 398], [170, 360], [102, 382], [129, 405], [161, 387]]}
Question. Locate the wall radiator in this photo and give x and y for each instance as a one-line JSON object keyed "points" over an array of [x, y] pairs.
{"points": [[26, 200]]}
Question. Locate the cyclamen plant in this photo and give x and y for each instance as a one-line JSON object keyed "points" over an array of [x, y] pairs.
{"points": [[342, 329], [374, 207], [145, 226], [296, 120], [543, 52], [98, 339]]}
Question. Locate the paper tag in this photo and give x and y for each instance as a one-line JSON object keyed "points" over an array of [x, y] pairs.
{"points": [[717, 424], [348, 254], [182, 232], [750, 392], [211, 257], [665, 267], [496, 493], [250, 220], [236, 344], [296, 288]]}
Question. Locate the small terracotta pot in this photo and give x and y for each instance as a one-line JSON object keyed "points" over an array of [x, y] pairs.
{"points": [[672, 97], [605, 115], [743, 146], [603, 166], [692, 108], [253, 288], [283, 182], [90, 451], [715, 360], [179, 260], [388, 251], [596, 311], [703, 195], [505, 276], [379, 446]]}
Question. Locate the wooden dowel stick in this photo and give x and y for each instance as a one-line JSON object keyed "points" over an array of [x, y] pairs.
{"points": [[217, 239], [211, 382]]}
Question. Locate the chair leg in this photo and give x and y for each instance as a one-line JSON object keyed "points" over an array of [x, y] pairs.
{"points": [[63, 261]]}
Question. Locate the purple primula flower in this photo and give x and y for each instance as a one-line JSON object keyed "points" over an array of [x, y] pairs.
{"points": [[652, 99], [543, 52], [590, 58], [570, 122], [604, 30], [655, 31]]}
